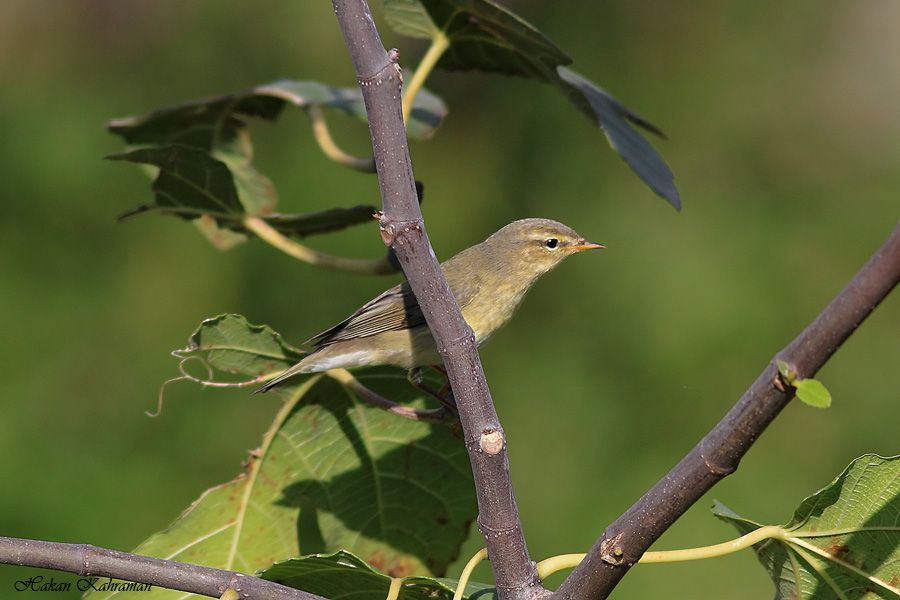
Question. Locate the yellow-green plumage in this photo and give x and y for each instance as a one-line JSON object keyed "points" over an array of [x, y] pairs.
{"points": [[488, 280]]}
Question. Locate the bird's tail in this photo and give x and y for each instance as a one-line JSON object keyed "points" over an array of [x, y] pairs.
{"points": [[300, 367]]}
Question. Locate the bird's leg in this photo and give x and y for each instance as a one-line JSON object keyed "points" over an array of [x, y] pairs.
{"points": [[444, 395]]}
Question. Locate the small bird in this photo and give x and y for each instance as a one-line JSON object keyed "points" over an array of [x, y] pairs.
{"points": [[488, 280]]}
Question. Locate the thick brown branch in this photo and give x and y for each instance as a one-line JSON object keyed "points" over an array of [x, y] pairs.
{"points": [[91, 561], [718, 454], [403, 229]]}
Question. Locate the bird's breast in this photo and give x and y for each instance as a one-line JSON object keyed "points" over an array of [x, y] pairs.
{"points": [[491, 309]]}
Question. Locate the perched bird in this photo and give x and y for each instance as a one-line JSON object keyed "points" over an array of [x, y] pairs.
{"points": [[488, 280]]}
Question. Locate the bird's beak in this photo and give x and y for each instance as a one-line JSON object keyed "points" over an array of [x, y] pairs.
{"points": [[586, 245]]}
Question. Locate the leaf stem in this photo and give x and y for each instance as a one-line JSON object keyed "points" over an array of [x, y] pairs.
{"points": [[394, 589], [569, 561], [330, 147], [270, 235], [467, 572], [439, 44]]}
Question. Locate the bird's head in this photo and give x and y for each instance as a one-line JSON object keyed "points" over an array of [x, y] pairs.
{"points": [[535, 246]]}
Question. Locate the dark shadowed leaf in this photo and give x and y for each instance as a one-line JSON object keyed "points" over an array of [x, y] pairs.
{"points": [[613, 117], [342, 575], [322, 221], [190, 183], [193, 185], [844, 540], [487, 37]]}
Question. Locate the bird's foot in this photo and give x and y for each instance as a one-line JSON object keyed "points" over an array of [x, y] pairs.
{"points": [[416, 379]]}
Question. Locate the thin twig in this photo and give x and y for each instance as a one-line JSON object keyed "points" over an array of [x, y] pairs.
{"points": [[90, 561], [719, 452], [267, 233], [403, 228]]}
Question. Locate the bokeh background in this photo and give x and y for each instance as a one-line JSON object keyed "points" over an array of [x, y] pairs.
{"points": [[785, 139]]}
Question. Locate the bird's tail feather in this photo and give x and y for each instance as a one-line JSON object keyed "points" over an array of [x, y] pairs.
{"points": [[295, 370]]}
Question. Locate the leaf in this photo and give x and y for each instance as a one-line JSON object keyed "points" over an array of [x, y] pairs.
{"points": [[613, 118], [332, 473], [229, 343], [191, 184], [487, 37], [813, 392], [788, 373], [214, 124], [409, 18], [844, 540], [342, 575], [427, 114], [322, 221]]}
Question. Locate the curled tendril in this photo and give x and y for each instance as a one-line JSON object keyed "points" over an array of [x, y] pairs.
{"points": [[208, 382]]}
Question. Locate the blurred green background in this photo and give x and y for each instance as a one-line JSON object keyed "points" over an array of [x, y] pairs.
{"points": [[785, 140]]}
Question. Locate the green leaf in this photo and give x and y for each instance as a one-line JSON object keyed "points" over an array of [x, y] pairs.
{"points": [[409, 18], [844, 540], [342, 575], [193, 185], [229, 343], [190, 183], [487, 37], [813, 392], [332, 473]]}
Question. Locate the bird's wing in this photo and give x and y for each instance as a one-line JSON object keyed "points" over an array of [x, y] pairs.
{"points": [[394, 310]]}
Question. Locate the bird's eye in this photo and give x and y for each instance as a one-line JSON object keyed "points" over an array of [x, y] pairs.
{"points": [[551, 243]]}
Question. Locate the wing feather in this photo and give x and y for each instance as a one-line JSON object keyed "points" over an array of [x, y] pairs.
{"points": [[395, 309]]}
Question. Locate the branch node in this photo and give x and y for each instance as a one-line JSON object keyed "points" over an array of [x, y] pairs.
{"points": [[611, 551], [492, 441], [392, 231], [489, 532], [86, 560], [389, 72], [713, 466], [463, 343]]}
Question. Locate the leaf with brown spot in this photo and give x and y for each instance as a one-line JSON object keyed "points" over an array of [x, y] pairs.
{"points": [[844, 540]]}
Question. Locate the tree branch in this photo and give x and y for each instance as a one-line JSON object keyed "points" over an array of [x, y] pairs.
{"points": [[719, 452], [90, 561], [403, 229]]}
